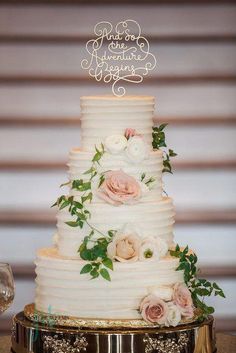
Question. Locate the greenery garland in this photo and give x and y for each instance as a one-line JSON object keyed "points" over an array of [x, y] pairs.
{"points": [[199, 288], [97, 254], [159, 142]]}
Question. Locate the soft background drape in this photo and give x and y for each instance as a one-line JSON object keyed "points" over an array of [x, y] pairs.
{"points": [[41, 81]]}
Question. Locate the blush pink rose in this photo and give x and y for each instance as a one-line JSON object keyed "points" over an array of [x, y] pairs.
{"points": [[124, 247], [130, 133], [183, 299], [119, 188], [154, 310]]}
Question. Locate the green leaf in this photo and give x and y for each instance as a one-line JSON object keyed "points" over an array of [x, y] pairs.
{"points": [[81, 216], [78, 205], [54, 204], [108, 263], [85, 186], [111, 233], [64, 184], [215, 286], [91, 234], [94, 273], [72, 223], [86, 269], [81, 224], [64, 204], [87, 197], [105, 274], [163, 126], [82, 247], [87, 254], [80, 185], [97, 157], [210, 310], [143, 176], [90, 170], [172, 153], [202, 292], [101, 180]]}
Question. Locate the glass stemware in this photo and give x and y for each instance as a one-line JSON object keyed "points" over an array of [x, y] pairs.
{"points": [[7, 290]]}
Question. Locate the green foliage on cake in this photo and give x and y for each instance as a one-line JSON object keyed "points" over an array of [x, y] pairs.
{"points": [[199, 287], [159, 142]]}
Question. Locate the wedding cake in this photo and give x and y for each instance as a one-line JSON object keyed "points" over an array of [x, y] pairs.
{"points": [[114, 255]]}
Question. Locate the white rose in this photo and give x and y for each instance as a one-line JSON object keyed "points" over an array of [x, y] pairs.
{"points": [[137, 149], [173, 316], [162, 246], [115, 143], [148, 250], [163, 292]]}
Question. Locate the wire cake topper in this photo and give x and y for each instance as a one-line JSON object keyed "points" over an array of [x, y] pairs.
{"points": [[119, 54]]}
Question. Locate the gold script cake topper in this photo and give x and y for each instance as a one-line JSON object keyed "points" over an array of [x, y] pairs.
{"points": [[119, 54]]}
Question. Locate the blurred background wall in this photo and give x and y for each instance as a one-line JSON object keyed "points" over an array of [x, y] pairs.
{"points": [[41, 46]]}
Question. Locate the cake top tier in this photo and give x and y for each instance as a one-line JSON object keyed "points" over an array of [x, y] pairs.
{"points": [[102, 116], [116, 100]]}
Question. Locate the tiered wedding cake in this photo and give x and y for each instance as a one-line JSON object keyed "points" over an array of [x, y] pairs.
{"points": [[111, 258]]}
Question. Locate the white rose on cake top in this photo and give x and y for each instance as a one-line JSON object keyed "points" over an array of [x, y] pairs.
{"points": [[115, 144], [137, 149], [131, 143]]}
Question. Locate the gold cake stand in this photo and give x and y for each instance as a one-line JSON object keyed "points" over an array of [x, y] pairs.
{"points": [[35, 332]]}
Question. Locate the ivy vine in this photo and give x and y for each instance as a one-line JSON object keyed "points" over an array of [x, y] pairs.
{"points": [[199, 288]]}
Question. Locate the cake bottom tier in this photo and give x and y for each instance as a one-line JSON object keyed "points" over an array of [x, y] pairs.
{"points": [[34, 337], [62, 290]]}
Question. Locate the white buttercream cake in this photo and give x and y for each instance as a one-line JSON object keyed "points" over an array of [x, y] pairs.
{"points": [[126, 208]]}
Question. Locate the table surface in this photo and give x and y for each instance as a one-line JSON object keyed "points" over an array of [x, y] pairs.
{"points": [[226, 343]]}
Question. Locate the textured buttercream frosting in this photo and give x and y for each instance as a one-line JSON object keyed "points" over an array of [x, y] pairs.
{"points": [[62, 290], [60, 287], [107, 115]]}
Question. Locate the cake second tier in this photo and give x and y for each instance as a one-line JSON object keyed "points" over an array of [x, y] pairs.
{"points": [[151, 215]]}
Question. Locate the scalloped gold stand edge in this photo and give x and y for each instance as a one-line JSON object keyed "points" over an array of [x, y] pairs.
{"points": [[35, 337], [69, 321]]}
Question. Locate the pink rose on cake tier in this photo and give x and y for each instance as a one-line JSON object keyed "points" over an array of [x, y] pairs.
{"points": [[129, 132], [124, 247], [154, 310], [119, 188], [183, 299]]}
